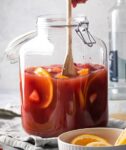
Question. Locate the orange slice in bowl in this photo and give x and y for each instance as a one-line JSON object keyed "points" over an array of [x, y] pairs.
{"points": [[45, 86], [85, 139], [98, 144]]}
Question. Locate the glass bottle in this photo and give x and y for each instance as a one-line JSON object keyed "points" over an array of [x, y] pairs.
{"points": [[117, 46], [51, 102]]}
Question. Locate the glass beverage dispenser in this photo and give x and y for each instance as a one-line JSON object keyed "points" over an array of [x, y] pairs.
{"points": [[51, 102]]}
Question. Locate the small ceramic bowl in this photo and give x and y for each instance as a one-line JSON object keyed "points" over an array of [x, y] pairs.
{"points": [[110, 134]]}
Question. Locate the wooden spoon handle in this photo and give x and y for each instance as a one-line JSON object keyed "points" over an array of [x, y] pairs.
{"points": [[69, 68], [69, 23]]}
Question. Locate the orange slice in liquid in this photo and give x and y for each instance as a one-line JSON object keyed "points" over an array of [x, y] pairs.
{"points": [[83, 72], [46, 86], [60, 76], [93, 81]]}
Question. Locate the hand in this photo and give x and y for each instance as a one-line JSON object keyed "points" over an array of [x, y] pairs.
{"points": [[75, 2]]}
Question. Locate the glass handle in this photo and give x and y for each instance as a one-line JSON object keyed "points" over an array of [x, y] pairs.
{"points": [[12, 50]]}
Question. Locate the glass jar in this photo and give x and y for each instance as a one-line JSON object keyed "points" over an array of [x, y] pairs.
{"points": [[51, 102]]}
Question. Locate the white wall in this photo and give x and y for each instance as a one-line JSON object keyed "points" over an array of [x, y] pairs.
{"points": [[19, 16]]}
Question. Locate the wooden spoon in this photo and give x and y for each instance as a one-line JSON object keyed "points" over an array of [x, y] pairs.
{"points": [[68, 67]]}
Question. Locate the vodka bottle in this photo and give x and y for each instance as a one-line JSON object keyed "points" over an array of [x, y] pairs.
{"points": [[117, 47]]}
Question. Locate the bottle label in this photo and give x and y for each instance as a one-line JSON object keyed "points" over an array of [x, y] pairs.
{"points": [[113, 57]]}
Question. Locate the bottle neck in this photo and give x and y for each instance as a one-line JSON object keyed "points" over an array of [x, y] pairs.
{"points": [[42, 31], [42, 28]]}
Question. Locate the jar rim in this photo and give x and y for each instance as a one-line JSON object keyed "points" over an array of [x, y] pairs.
{"points": [[58, 20]]}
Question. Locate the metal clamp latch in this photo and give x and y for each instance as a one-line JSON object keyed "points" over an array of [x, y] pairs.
{"points": [[84, 34]]}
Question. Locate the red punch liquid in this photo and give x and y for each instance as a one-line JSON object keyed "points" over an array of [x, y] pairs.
{"points": [[52, 103]]}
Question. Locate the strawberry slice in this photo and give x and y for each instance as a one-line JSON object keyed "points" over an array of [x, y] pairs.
{"points": [[75, 2], [34, 96]]}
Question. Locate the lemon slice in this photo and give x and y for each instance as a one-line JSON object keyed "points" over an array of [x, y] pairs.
{"points": [[86, 139], [121, 139]]}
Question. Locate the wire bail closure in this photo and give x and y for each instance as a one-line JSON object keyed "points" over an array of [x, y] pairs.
{"points": [[84, 34]]}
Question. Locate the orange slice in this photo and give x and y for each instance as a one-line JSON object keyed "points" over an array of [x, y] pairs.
{"points": [[121, 139], [41, 72], [85, 139], [82, 99], [45, 86], [83, 72], [60, 76], [98, 144], [95, 82]]}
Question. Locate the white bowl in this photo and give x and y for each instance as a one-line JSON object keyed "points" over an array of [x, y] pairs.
{"points": [[111, 134]]}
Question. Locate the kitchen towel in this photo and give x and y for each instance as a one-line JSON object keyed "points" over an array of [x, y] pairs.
{"points": [[28, 143], [12, 134]]}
